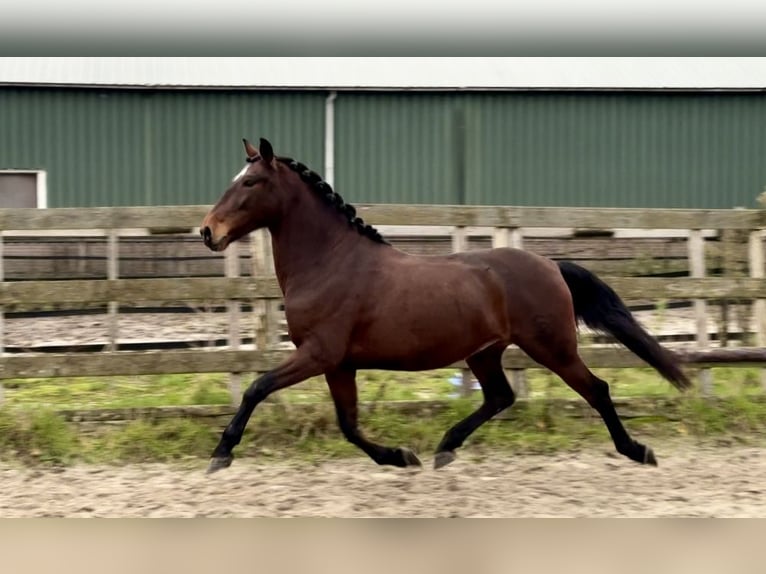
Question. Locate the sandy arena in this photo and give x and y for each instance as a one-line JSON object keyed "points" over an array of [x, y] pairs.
{"points": [[690, 481]]}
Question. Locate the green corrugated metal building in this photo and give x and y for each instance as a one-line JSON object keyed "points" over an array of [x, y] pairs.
{"points": [[122, 144], [580, 148], [118, 147]]}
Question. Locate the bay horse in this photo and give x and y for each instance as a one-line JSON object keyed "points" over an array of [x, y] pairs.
{"points": [[352, 301]]}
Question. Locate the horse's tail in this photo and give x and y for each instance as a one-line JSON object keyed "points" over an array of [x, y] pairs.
{"points": [[601, 309]]}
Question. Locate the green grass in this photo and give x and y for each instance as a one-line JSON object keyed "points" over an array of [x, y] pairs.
{"points": [[141, 441], [33, 433], [645, 382], [212, 388], [42, 437], [208, 389], [37, 436], [117, 392]]}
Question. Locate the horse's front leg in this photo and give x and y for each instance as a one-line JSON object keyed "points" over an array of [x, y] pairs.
{"points": [[342, 383], [299, 367]]}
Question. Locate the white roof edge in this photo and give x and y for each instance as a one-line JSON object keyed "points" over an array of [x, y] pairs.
{"points": [[390, 73]]}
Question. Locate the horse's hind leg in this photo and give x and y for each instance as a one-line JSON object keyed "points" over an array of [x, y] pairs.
{"points": [[342, 383], [596, 391], [498, 395]]}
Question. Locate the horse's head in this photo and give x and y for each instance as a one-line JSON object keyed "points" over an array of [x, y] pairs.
{"points": [[250, 202]]}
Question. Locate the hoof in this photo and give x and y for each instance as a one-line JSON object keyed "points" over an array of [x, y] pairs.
{"points": [[443, 458], [219, 462], [409, 457], [649, 457]]}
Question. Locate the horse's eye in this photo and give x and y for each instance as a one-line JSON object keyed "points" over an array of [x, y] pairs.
{"points": [[250, 182]]}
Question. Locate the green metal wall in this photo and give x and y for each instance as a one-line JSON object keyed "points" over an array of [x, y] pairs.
{"points": [[119, 147], [571, 149], [140, 147], [626, 150], [395, 148]]}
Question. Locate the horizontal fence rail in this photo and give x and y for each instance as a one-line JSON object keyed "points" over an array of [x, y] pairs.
{"points": [[31, 293], [179, 217], [127, 363], [739, 253]]}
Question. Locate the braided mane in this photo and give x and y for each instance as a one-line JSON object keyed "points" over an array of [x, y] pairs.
{"points": [[323, 189]]}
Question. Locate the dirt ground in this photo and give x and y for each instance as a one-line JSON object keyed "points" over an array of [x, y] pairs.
{"points": [[31, 333], [690, 481]]}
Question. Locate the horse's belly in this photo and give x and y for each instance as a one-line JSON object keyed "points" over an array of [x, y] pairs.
{"points": [[412, 361], [421, 345], [430, 315]]}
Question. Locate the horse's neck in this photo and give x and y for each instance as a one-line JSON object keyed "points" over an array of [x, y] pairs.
{"points": [[311, 240]]}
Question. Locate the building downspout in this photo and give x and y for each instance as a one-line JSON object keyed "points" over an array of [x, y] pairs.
{"points": [[329, 138]]}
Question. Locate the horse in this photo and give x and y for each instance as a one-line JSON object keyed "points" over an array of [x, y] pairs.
{"points": [[352, 301]]}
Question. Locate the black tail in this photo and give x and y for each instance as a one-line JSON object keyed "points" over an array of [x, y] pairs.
{"points": [[600, 308]]}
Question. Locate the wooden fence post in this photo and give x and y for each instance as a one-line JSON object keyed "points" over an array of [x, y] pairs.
{"points": [[231, 269], [266, 311], [112, 273], [732, 246], [727, 246], [697, 269], [273, 314], [258, 269], [756, 264]]}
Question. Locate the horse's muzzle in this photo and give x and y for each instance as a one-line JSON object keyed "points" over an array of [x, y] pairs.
{"points": [[207, 239], [207, 236]]}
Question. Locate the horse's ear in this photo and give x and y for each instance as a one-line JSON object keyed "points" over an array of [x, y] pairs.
{"points": [[249, 149], [266, 151]]}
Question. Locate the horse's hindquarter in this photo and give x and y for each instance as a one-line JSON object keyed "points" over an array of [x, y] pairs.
{"points": [[428, 312], [538, 302]]}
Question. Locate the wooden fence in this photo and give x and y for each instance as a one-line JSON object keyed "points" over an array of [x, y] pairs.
{"points": [[505, 225]]}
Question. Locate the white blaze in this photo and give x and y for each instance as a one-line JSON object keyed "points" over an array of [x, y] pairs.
{"points": [[241, 173]]}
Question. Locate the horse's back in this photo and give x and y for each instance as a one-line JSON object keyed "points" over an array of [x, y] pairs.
{"points": [[516, 267]]}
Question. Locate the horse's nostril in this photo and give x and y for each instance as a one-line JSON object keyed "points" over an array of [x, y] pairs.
{"points": [[207, 235]]}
